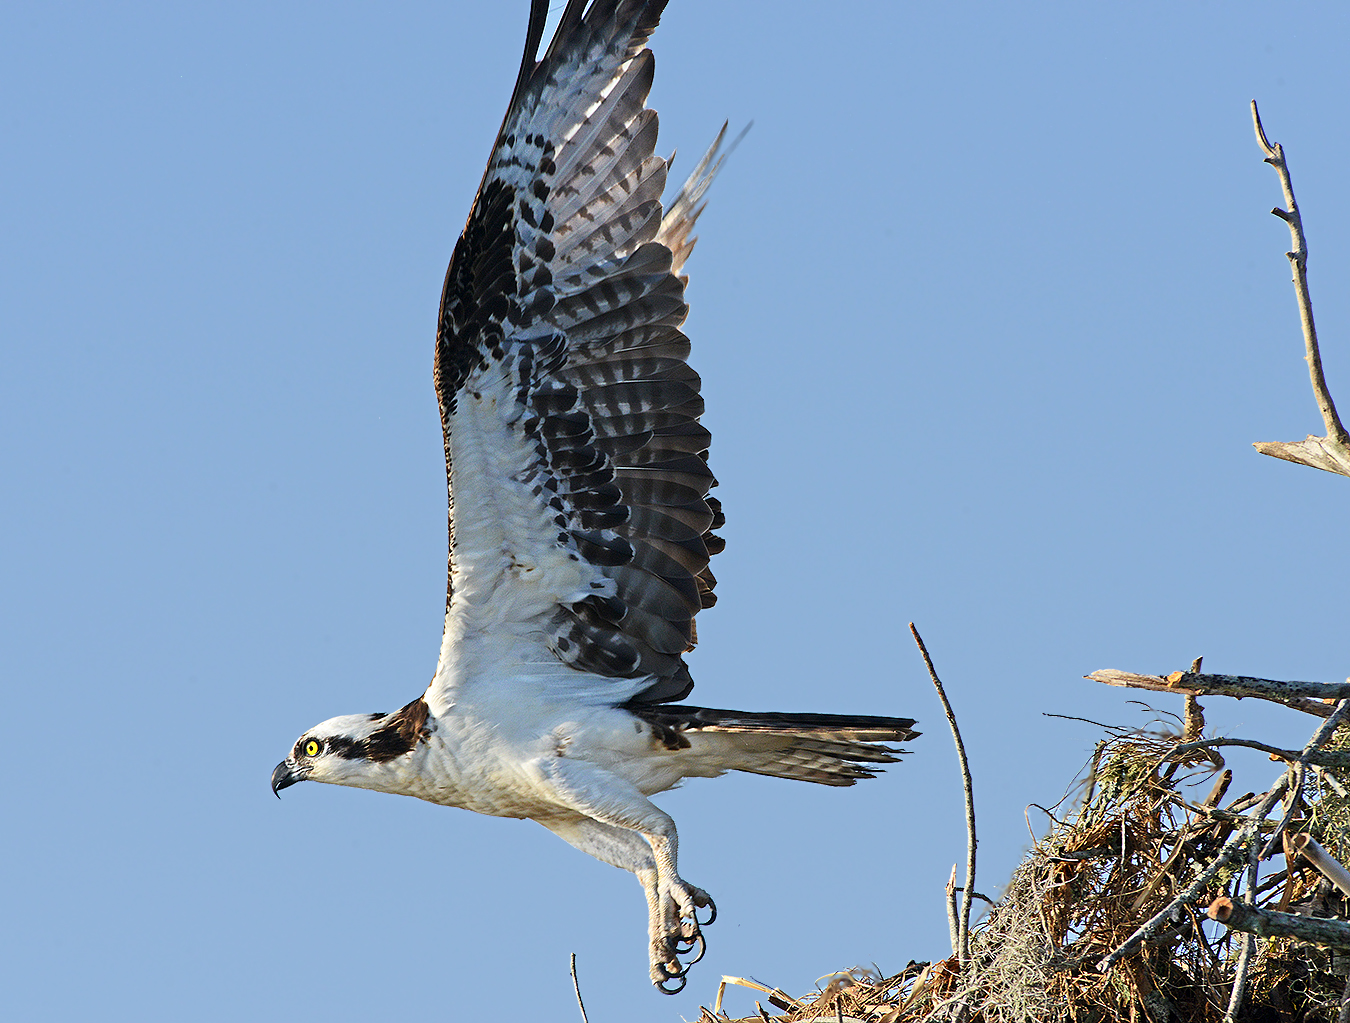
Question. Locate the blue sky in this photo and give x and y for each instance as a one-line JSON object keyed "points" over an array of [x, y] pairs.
{"points": [[988, 307]]}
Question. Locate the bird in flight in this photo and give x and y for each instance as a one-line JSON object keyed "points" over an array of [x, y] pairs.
{"points": [[581, 525]]}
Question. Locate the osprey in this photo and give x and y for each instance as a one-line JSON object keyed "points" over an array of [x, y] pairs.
{"points": [[580, 521]]}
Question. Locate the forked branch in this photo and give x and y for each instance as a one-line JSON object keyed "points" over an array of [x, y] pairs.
{"points": [[1331, 452]]}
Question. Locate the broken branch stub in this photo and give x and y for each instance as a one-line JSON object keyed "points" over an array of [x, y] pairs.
{"points": [[1311, 850], [1304, 696], [1268, 923]]}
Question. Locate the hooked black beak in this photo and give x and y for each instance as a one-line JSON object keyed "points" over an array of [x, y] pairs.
{"points": [[284, 776]]}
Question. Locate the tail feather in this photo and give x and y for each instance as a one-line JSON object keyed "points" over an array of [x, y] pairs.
{"points": [[827, 749]]}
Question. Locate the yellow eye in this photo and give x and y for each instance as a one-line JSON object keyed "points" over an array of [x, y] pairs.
{"points": [[312, 748]]}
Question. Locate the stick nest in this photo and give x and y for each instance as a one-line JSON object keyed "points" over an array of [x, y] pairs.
{"points": [[1140, 828]]}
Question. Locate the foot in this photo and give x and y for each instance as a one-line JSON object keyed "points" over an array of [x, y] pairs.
{"points": [[678, 933]]}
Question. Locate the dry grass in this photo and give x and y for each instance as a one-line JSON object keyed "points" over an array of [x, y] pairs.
{"points": [[1140, 827]]}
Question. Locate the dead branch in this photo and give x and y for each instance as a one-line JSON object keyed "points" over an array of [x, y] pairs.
{"points": [[1331, 452], [1312, 851], [1267, 923], [1304, 696], [1322, 758], [1212, 813], [1249, 899], [1329, 780], [576, 986], [953, 919], [778, 998], [966, 894]]}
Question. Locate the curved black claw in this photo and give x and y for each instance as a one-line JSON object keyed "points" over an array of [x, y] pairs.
{"points": [[712, 914], [680, 969], [686, 945], [680, 978]]}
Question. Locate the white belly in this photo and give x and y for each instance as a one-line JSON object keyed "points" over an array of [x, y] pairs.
{"points": [[488, 759]]}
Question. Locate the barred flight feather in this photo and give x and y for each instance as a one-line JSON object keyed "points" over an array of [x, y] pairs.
{"points": [[827, 749], [565, 276]]}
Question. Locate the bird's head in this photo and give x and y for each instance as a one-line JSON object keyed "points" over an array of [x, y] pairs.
{"points": [[355, 749]]}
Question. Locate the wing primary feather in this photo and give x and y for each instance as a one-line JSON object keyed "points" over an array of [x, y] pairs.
{"points": [[684, 211], [565, 290]]}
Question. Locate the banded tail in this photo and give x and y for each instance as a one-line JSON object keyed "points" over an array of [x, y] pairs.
{"points": [[828, 749]]}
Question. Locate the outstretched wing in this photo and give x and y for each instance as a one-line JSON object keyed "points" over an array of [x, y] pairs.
{"points": [[580, 521]]}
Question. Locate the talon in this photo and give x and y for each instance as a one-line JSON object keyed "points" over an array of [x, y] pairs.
{"points": [[679, 969], [661, 985], [712, 912], [689, 945]]}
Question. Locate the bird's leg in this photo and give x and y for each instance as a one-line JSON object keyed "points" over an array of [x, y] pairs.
{"points": [[674, 929], [622, 827], [682, 898]]}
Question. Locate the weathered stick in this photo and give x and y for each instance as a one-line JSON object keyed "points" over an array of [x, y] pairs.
{"points": [[778, 998], [1329, 780], [1266, 923], [1248, 940], [1304, 696], [1322, 758], [966, 894], [953, 922], [576, 986], [1331, 452], [1213, 813], [1308, 847]]}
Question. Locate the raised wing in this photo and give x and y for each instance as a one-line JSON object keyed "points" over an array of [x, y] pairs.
{"points": [[580, 520]]}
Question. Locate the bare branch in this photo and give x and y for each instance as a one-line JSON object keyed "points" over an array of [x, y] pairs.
{"points": [[1267, 923], [953, 921], [1312, 851], [964, 933], [1304, 696], [1248, 940], [1330, 781], [1322, 758], [1331, 452], [576, 986]]}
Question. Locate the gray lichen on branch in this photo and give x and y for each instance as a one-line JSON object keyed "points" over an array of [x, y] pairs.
{"points": [[1269, 923]]}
